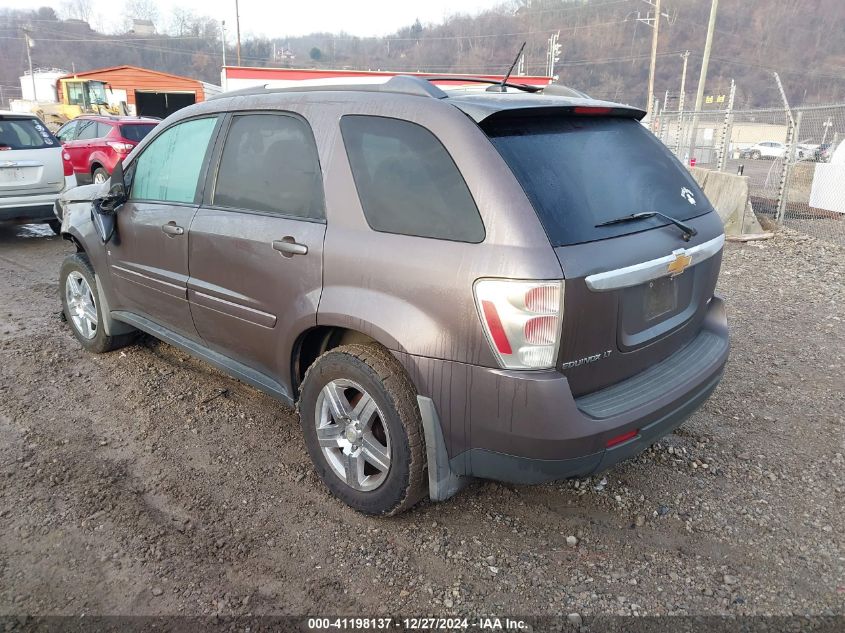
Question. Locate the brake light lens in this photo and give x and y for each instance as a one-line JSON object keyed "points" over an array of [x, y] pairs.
{"points": [[522, 320], [592, 110], [68, 166], [120, 147]]}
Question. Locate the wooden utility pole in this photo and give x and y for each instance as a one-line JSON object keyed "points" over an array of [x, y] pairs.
{"points": [[28, 41], [708, 44], [651, 67], [681, 96], [238, 30]]}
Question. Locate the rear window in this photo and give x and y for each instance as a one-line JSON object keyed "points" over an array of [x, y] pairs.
{"points": [[25, 133], [580, 172], [136, 131]]}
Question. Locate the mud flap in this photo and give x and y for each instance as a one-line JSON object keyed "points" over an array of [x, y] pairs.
{"points": [[442, 481]]}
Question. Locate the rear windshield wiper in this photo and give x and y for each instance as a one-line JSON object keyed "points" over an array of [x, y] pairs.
{"points": [[688, 231]]}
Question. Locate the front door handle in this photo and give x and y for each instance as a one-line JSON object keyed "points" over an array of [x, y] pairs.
{"points": [[172, 229], [289, 247]]}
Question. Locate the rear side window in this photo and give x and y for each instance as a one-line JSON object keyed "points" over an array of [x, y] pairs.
{"points": [[136, 132], [269, 163], [407, 182], [579, 172], [86, 130], [103, 129], [169, 168], [25, 133]]}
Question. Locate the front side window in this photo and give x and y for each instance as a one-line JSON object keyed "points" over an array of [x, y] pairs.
{"points": [[169, 168], [407, 182], [68, 132], [269, 163]]}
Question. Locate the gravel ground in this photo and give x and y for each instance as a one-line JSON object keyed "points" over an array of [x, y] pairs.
{"points": [[146, 482]]}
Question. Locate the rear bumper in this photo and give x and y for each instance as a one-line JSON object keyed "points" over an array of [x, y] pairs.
{"points": [[33, 208], [525, 427]]}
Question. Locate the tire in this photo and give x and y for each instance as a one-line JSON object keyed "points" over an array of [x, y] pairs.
{"points": [[55, 226], [353, 468], [755, 155], [77, 289], [100, 173]]}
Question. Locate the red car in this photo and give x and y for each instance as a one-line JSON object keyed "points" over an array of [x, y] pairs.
{"points": [[96, 142]]}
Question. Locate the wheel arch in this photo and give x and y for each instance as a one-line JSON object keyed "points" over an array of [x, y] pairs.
{"points": [[317, 340]]}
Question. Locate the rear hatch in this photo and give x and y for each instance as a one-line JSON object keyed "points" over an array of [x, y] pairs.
{"points": [[30, 158], [636, 291]]}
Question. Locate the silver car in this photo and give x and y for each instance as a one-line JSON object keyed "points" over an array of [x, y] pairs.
{"points": [[34, 170]]}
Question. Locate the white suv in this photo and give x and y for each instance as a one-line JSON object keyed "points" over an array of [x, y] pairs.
{"points": [[34, 170], [766, 149]]}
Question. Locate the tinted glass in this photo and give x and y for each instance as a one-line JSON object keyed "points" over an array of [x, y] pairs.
{"points": [[407, 182], [169, 168], [136, 131], [269, 163], [86, 130], [579, 172], [67, 132], [24, 133], [103, 129]]}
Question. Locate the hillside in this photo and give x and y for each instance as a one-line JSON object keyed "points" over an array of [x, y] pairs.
{"points": [[605, 49]]}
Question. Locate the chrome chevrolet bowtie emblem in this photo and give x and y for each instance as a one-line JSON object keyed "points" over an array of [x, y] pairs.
{"points": [[679, 264]]}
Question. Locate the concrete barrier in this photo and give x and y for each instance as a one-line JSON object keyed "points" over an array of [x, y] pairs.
{"points": [[731, 196]]}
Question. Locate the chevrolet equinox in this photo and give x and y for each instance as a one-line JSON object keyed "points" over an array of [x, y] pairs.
{"points": [[506, 283]]}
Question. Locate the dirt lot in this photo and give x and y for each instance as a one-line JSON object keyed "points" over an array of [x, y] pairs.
{"points": [[145, 482]]}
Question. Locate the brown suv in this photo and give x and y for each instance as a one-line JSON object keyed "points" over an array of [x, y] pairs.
{"points": [[448, 285]]}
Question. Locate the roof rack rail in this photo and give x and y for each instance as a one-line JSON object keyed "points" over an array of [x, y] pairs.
{"points": [[491, 82], [399, 84]]}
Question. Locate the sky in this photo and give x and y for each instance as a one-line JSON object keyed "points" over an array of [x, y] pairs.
{"points": [[277, 19]]}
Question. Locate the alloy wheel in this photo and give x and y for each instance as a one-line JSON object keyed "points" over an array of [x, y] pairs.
{"points": [[81, 305], [352, 434]]}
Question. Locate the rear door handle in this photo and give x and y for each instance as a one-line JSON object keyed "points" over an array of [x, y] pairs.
{"points": [[288, 247], [172, 229]]}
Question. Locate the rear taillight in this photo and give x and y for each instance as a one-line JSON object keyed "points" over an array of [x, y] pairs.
{"points": [[521, 320], [66, 163], [120, 147]]}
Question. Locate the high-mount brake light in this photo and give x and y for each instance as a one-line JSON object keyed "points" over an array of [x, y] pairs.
{"points": [[522, 320], [592, 110]]}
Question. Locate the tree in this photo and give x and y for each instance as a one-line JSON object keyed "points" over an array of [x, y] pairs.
{"points": [[139, 10], [77, 10], [316, 54]]}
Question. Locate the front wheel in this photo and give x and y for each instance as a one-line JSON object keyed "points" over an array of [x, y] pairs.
{"points": [[755, 155], [363, 430], [78, 289]]}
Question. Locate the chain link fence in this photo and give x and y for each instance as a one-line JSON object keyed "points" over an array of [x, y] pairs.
{"points": [[788, 156]]}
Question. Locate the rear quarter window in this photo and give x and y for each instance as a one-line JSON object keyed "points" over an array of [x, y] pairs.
{"points": [[407, 182], [581, 171], [25, 133], [137, 131]]}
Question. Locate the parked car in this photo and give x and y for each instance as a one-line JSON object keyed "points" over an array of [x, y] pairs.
{"points": [[97, 142], [34, 170], [446, 286], [766, 149]]}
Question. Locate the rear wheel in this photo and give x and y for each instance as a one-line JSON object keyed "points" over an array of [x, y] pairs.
{"points": [[363, 430], [755, 155], [81, 308], [99, 175]]}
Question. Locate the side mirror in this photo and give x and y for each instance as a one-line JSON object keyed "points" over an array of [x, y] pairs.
{"points": [[103, 209]]}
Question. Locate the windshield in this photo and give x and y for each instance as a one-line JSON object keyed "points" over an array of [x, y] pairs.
{"points": [[579, 172], [25, 133], [136, 131]]}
